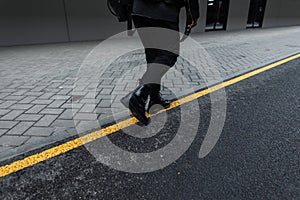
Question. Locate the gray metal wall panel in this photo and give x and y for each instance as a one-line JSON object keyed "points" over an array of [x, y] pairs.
{"points": [[91, 20], [282, 13], [203, 13], [32, 21], [43, 21], [238, 14]]}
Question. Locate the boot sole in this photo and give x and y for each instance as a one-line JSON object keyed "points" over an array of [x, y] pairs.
{"points": [[136, 112]]}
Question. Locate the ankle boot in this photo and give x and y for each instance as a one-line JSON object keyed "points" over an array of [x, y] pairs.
{"points": [[156, 98], [125, 100], [138, 101]]}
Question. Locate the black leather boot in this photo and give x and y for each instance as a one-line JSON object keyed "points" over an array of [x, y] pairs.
{"points": [[138, 101], [125, 100], [157, 99]]}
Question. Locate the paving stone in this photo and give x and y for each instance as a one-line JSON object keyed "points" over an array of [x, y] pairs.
{"points": [[7, 90], [7, 124], [36, 109], [54, 85], [104, 103], [88, 101], [4, 111], [107, 82], [17, 98], [65, 92], [12, 115], [77, 98], [88, 108], [26, 87], [21, 106], [90, 95], [20, 129], [56, 104], [65, 123], [75, 105], [52, 111], [82, 93], [85, 126], [39, 131], [61, 97], [52, 90], [67, 105], [2, 94], [67, 114], [47, 95], [5, 148], [85, 116], [3, 131], [19, 92], [108, 97], [10, 140], [35, 140], [29, 117], [46, 120], [14, 85], [57, 81], [7, 104], [103, 110], [42, 101], [120, 87], [36, 94], [38, 89], [27, 100]]}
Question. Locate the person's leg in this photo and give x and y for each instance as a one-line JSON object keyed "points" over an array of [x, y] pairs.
{"points": [[140, 23], [161, 60], [159, 66], [161, 43], [161, 49]]}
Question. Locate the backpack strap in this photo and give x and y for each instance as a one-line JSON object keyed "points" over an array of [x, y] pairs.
{"points": [[189, 19], [130, 30]]}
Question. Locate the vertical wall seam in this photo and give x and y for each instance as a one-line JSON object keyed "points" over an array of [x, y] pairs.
{"points": [[66, 20]]}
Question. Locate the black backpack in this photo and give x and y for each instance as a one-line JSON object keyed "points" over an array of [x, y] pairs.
{"points": [[122, 10]]}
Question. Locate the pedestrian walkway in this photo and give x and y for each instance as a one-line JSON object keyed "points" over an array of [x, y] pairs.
{"points": [[256, 156], [40, 105]]}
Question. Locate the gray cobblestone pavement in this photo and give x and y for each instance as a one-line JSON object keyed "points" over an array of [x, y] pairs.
{"points": [[39, 103]]}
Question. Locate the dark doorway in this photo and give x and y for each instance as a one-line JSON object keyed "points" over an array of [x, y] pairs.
{"points": [[256, 13], [217, 14]]}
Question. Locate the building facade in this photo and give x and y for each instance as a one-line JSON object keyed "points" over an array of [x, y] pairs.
{"points": [[48, 21]]}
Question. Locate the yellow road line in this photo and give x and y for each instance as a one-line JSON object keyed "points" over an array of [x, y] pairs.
{"points": [[73, 144]]}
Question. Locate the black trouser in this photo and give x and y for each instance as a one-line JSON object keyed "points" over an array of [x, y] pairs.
{"points": [[161, 46]]}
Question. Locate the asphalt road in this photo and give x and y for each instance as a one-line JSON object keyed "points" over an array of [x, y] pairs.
{"points": [[256, 157]]}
